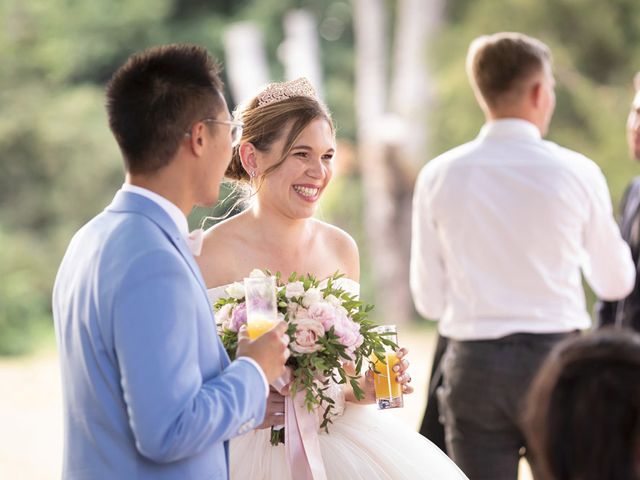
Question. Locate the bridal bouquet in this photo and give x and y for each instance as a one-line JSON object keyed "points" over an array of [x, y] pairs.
{"points": [[328, 328]]}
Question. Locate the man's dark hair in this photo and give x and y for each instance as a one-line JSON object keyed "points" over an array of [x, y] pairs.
{"points": [[583, 416], [155, 97]]}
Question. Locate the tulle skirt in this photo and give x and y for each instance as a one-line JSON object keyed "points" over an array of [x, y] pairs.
{"points": [[363, 444]]}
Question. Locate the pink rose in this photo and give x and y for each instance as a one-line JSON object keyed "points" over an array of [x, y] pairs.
{"points": [[307, 333], [296, 311], [324, 313]]}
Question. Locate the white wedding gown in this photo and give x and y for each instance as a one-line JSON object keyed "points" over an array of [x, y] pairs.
{"points": [[362, 444]]}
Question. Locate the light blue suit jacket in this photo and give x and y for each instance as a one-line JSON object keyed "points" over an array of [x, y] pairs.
{"points": [[149, 392]]}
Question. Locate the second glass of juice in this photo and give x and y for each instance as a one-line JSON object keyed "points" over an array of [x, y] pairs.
{"points": [[388, 390]]}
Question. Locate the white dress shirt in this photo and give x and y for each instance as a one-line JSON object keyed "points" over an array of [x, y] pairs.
{"points": [[503, 226], [183, 227]]}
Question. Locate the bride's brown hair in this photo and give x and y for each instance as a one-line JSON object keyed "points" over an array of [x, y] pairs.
{"points": [[264, 125]]}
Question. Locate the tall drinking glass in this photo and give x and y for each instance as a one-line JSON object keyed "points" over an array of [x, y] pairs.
{"points": [[388, 390], [262, 307]]}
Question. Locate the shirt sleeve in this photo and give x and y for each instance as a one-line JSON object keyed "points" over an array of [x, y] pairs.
{"points": [[427, 268], [608, 268]]}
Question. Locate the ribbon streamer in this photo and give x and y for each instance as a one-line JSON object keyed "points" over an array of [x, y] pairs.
{"points": [[302, 446]]}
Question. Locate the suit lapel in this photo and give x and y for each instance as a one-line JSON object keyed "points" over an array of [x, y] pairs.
{"points": [[133, 203]]}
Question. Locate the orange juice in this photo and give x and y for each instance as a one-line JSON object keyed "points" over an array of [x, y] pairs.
{"points": [[257, 325], [385, 382]]}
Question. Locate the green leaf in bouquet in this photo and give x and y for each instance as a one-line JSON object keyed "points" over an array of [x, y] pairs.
{"points": [[319, 363], [277, 436], [359, 363], [357, 391]]}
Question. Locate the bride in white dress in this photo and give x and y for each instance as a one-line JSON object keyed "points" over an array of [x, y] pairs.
{"points": [[286, 156]]}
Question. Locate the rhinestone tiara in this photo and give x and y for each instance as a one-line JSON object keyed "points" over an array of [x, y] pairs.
{"points": [[277, 92]]}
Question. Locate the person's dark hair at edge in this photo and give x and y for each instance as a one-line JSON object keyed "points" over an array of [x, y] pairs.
{"points": [[583, 415], [155, 97]]}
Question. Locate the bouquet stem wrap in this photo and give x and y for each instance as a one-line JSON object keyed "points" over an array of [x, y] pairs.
{"points": [[302, 445]]}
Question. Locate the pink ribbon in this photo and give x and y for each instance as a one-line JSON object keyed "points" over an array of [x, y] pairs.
{"points": [[302, 446]]}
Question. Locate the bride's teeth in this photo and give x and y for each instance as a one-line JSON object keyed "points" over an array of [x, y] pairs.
{"points": [[306, 191]]}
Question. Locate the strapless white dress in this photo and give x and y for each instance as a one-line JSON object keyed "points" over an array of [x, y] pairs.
{"points": [[362, 444]]}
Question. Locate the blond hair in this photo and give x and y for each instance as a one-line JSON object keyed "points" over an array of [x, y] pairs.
{"points": [[499, 65]]}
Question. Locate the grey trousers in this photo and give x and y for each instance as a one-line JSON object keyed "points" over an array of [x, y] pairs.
{"points": [[482, 397]]}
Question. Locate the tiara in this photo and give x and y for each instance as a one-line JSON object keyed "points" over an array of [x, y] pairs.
{"points": [[277, 92]]}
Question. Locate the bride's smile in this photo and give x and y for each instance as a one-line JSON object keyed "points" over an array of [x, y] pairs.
{"points": [[294, 186]]}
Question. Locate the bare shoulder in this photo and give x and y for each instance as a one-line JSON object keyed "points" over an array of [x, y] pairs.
{"points": [[222, 241], [342, 246]]}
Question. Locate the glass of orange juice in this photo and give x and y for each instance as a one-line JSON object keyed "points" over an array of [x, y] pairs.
{"points": [[388, 390], [262, 307]]}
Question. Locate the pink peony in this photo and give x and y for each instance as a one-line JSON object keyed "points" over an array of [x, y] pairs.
{"points": [[348, 331], [238, 317], [323, 312], [307, 333]]}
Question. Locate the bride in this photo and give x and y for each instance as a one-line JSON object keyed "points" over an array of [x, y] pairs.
{"points": [[286, 156]]}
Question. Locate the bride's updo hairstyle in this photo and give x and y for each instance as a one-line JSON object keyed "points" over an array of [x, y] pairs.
{"points": [[267, 116]]}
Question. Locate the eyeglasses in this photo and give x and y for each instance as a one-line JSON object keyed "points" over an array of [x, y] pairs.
{"points": [[236, 128]]}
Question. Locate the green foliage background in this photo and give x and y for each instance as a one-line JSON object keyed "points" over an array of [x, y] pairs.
{"points": [[59, 165]]}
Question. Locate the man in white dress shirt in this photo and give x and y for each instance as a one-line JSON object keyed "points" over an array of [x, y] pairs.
{"points": [[503, 227]]}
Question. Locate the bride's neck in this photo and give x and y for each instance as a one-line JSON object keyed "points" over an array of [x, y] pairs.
{"points": [[275, 228]]}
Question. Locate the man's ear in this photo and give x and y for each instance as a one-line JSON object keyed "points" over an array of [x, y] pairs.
{"points": [[198, 139], [249, 157], [535, 94]]}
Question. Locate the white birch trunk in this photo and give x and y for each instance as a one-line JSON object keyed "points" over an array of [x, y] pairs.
{"points": [[245, 60], [300, 52], [392, 147], [385, 254]]}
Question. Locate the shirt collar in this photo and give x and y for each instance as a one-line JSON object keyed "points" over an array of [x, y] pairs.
{"points": [[510, 127], [171, 209]]}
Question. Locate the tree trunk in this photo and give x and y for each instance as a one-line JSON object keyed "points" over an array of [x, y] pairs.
{"points": [[392, 147], [379, 206], [245, 60], [300, 52]]}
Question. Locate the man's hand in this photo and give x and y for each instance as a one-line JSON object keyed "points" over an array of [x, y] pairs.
{"points": [[270, 350]]}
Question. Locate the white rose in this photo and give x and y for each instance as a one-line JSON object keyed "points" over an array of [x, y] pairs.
{"points": [[257, 273], [223, 316], [333, 300], [295, 289], [311, 296], [236, 290]]}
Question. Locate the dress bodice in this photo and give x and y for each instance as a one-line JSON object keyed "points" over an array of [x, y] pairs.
{"points": [[350, 286]]}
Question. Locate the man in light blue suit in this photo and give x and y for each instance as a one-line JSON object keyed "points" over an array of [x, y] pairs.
{"points": [[149, 392]]}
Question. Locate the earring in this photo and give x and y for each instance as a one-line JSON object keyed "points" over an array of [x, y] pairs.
{"points": [[252, 174]]}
